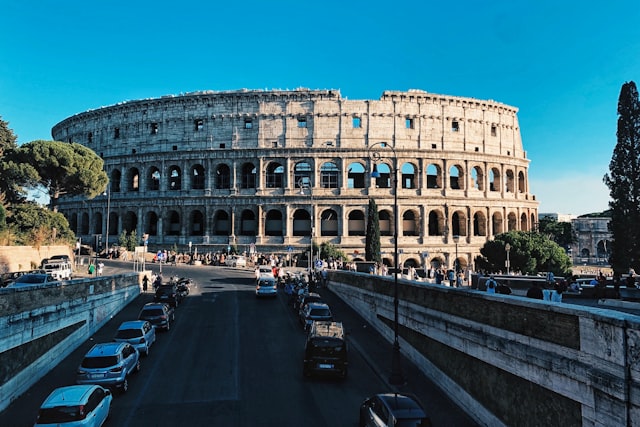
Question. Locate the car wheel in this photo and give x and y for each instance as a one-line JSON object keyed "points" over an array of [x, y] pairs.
{"points": [[125, 386]]}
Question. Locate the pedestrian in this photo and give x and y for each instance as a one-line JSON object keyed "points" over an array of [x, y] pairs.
{"points": [[145, 283], [534, 291], [100, 268], [92, 268], [491, 285], [452, 278]]}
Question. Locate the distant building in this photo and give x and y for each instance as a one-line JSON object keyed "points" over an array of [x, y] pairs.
{"points": [[593, 241], [558, 217]]}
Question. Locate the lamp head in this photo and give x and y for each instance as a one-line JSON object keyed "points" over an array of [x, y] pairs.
{"points": [[375, 173]]}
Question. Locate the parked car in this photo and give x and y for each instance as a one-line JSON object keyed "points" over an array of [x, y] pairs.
{"points": [[315, 311], [305, 299], [168, 294], [325, 351], [139, 333], [74, 406], [159, 314], [393, 409], [31, 279], [109, 365], [235, 261], [266, 287]]}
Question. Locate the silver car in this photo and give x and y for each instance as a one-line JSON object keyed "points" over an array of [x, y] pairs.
{"points": [[266, 287], [109, 365], [139, 333]]}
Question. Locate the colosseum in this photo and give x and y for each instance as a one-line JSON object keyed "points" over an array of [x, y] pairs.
{"points": [[278, 171]]}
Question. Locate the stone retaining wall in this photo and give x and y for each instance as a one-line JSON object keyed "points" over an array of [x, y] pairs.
{"points": [[510, 360]]}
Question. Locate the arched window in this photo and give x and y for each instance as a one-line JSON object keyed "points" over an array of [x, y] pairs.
{"points": [[456, 178], [329, 175], [175, 178], [197, 177], [116, 176], [301, 223], [357, 223], [329, 223], [356, 176], [274, 175], [384, 180], [408, 176], [130, 222], [153, 181], [384, 220], [248, 223], [174, 224], [221, 223], [152, 224], [273, 223], [494, 180], [197, 223], [521, 182], [97, 223], [477, 178], [133, 179], [223, 177], [301, 172], [434, 176], [409, 223], [85, 223], [248, 176]]}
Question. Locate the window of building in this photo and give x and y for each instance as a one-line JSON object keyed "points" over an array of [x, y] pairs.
{"points": [[357, 122], [329, 175], [248, 124], [408, 123], [116, 133], [302, 122], [274, 144], [494, 130], [198, 124], [455, 126], [154, 128], [90, 137]]}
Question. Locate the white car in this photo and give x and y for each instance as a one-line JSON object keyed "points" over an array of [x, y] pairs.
{"points": [[76, 405], [235, 261]]}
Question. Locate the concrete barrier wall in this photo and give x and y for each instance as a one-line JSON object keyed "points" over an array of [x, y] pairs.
{"points": [[509, 360], [41, 325]]}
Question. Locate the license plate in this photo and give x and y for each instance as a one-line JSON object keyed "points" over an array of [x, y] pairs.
{"points": [[95, 376], [325, 366]]}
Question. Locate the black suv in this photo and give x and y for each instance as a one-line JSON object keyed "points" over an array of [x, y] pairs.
{"points": [[325, 351], [393, 409], [168, 294]]}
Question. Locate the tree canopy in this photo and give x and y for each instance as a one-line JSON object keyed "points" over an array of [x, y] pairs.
{"points": [[560, 232], [530, 253], [623, 181], [63, 168], [34, 225]]}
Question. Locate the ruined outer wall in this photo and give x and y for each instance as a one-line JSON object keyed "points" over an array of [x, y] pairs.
{"points": [[42, 324], [551, 364]]}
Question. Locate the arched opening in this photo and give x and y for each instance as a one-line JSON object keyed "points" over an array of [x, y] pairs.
{"points": [[434, 176], [274, 175], [329, 175], [197, 177], [357, 223], [409, 223], [408, 178], [301, 223], [175, 178], [223, 177], [153, 181], [248, 179], [356, 176], [221, 223], [174, 223], [133, 179], [273, 224], [197, 223], [329, 223], [248, 223]]}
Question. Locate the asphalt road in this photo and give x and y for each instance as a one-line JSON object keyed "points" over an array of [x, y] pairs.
{"points": [[233, 360]]}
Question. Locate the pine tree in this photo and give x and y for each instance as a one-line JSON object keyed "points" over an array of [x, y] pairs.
{"points": [[372, 240], [623, 181]]}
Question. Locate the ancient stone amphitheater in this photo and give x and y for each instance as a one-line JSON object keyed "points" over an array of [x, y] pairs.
{"points": [[268, 170]]}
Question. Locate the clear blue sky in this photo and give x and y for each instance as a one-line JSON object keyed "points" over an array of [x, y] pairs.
{"points": [[562, 63]]}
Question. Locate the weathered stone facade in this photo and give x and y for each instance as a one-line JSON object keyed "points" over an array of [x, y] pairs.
{"points": [[233, 168]]}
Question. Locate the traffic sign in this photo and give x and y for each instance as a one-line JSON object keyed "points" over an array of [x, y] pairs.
{"points": [[318, 263], [290, 249]]}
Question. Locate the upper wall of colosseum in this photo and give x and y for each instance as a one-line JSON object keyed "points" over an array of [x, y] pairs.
{"points": [[297, 119]]}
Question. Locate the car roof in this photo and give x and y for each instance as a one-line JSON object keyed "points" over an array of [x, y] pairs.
{"points": [[327, 329], [317, 305], [33, 278], [154, 305], [69, 395], [402, 405], [132, 324], [105, 349]]}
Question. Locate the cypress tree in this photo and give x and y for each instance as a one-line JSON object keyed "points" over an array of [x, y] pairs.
{"points": [[372, 240], [623, 181]]}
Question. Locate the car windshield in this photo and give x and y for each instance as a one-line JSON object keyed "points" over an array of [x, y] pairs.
{"points": [[265, 283], [153, 312], [99, 362], [320, 312], [59, 414], [410, 422], [30, 278], [128, 333]]}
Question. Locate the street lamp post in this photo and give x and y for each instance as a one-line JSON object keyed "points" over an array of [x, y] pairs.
{"points": [[507, 248], [302, 183], [456, 239], [396, 377]]}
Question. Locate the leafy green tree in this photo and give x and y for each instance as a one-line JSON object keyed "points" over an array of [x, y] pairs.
{"points": [[34, 225], [560, 232], [8, 139], [13, 175], [329, 250], [623, 181], [530, 253], [372, 238], [64, 168], [132, 241], [123, 240]]}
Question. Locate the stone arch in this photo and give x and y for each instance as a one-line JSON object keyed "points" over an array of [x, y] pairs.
{"points": [[494, 179], [510, 182], [384, 178], [479, 224], [173, 222], [329, 175], [248, 176], [223, 177], [196, 222], [97, 223], [408, 176], [274, 177], [175, 178], [456, 177], [116, 178], [459, 223], [512, 222], [153, 179], [303, 172], [434, 176], [248, 223], [356, 175], [522, 184], [198, 178], [84, 225], [410, 223], [151, 223], [477, 178], [497, 224], [273, 224], [523, 222], [385, 222], [357, 225], [73, 222], [436, 223], [221, 223], [328, 223], [133, 179], [130, 222], [301, 223]]}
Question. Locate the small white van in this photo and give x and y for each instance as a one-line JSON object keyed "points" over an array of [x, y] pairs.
{"points": [[60, 269]]}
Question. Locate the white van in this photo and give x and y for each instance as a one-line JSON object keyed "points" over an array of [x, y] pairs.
{"points": [[60, 269]]}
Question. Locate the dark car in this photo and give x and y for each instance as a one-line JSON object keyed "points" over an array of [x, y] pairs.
{"points": [[325, 351], [393, 409], [314, 311], [160, 315], [305, 299], [168, 294]]}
